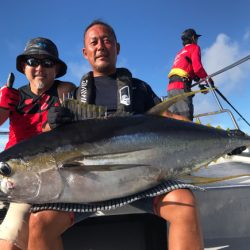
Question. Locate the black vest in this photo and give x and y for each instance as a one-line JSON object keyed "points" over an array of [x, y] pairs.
{"points": [[125, 98]]}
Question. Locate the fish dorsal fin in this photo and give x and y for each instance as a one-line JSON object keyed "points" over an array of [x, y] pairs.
{"points": [[82, 111], [160, 108]]}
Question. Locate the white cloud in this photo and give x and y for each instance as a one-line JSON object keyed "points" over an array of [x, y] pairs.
{"points": [[223, 53], [246, 36]]}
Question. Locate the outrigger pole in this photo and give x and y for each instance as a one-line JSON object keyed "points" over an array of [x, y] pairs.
{"points": [[218, 92]]}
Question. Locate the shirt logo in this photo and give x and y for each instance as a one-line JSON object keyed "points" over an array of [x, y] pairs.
{"points": [[84, 91], [125, 96]]}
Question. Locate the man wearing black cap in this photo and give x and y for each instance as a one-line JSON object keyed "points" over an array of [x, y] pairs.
{"points": [[187, 67], [27, 109]]}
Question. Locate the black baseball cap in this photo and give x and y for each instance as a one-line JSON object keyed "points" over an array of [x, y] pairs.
{"points": [[189, 33], [41, 46]]}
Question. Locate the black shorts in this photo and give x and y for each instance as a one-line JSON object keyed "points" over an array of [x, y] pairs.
{"points": [[183, 107]]}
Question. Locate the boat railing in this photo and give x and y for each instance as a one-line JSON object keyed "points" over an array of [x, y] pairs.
{"points": [[197, 117], [220, 111], [215, 91]]}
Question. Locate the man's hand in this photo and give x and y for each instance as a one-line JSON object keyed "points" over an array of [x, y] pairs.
{"points": [[210, 81], [58, 116], [203, 88], [9, 98], [175, 116]]}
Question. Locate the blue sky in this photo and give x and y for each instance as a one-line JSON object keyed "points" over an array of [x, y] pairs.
{"points": [[149, 34]]}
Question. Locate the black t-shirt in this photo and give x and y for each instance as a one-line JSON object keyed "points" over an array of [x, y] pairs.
{"points": [[106, 92]]}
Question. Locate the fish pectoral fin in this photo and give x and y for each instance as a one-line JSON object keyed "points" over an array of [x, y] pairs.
{"points": [[160, 108], [101, 168], [111, 167], [198, 180]]}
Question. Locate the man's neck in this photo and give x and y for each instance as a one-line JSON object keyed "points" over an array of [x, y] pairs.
{"points": [[107, 73], [39, 90]]}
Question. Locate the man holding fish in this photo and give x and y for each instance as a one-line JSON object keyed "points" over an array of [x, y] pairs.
{"points": [[27, 110], [115, 88]]}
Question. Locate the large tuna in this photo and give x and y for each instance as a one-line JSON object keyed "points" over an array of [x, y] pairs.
{"points": [[102, 159], [106, 158]]}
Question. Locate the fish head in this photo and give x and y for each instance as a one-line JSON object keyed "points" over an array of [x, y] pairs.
{"points": [[17, 181]]}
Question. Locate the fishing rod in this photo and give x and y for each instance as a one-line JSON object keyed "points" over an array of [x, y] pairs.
{"points": [[244, 59]]}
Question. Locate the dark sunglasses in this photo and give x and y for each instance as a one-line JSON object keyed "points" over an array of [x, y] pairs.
{"points": [[45, 62]]}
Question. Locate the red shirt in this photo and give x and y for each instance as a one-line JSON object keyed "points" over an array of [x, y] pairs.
{"points": [[31, 113], [188, 63]]}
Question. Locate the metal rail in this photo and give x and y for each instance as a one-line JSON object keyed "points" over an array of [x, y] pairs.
{"points": [[218, 112], [244, 59], [221, 109]]}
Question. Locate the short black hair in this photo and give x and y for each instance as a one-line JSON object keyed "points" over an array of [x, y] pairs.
{"points": [[186, 41], [99, 22], [188, 36]]}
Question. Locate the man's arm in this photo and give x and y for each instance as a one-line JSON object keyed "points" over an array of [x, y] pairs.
{"points": [[174, 116], [197, 64]]}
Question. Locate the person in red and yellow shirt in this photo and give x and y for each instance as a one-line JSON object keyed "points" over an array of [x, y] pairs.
{"points": [[187, 67]]}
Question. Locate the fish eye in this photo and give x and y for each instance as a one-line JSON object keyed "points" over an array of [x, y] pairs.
{"points": [[5, 169]]}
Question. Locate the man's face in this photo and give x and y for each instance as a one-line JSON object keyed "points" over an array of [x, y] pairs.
{"points": [[101, 50], [41, 72]]}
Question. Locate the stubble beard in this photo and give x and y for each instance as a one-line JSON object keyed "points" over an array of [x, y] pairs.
{"points": [[40, 85], [105, 68]]}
